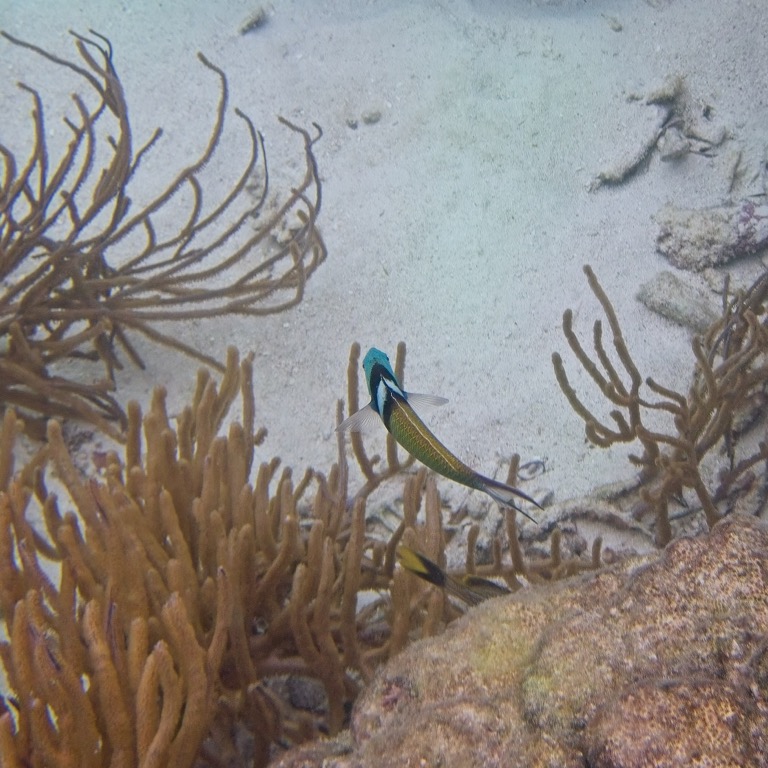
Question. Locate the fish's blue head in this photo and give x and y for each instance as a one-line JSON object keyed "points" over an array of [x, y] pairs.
{"points": [[375, 357]]}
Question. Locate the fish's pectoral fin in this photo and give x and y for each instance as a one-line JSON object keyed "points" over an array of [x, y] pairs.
{"points": [[360, 420], [419, 400]]}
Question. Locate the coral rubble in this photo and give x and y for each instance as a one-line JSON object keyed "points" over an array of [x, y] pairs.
{"points": [[697, 239]]}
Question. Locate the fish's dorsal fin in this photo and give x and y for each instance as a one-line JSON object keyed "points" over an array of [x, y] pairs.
{"points": [[419, 400], [360, 420]]}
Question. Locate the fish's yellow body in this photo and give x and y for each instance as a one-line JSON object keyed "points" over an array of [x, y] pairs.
{"points": [[393, 406]]}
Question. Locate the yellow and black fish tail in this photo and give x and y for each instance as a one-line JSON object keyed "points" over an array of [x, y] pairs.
{"points": [[471, 589], [422, 566]]}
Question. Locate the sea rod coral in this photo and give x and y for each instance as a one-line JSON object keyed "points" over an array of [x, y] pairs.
{"points": [[185, 607], [83, 266], [187, 598], [726, 398]]}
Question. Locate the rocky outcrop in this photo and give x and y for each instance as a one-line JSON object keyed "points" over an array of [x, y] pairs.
{"points": [[661, 661], [697, 239]]}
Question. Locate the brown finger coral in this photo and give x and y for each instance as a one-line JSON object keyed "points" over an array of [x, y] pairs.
{"points": [[173, 611]]}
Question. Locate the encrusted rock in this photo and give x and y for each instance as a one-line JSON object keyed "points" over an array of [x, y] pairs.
{"points": [[661, 661], [679, 302], [672, 722], [696, 239]]}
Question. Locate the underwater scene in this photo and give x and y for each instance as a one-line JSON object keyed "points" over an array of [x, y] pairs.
{"points": [[383, 383]]}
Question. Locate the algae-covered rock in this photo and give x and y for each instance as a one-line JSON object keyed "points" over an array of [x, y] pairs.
{"points": [[697, 239], [661, 661], [680, 302]]}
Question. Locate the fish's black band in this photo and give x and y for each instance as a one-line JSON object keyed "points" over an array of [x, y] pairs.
{"points": [[383, 391], [430, 571]]}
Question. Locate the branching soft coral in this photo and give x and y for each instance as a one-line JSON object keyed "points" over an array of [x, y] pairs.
{"points": [[185, 592], [82, 267], [729, 381]]}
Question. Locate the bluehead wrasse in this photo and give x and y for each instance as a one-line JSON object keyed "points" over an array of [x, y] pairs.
{"points": [[471, 589], [395, 408]]}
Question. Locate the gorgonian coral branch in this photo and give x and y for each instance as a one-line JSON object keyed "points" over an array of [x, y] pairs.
{"points": [[82, 266]]}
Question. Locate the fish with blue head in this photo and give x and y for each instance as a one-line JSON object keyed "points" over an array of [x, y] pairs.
{"points": [[395, 407]]}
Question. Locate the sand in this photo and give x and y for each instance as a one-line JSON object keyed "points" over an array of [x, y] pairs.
{"points": [[460, 141]]}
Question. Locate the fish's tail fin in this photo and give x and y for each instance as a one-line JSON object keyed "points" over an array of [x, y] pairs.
{"points": [[506, 495]]}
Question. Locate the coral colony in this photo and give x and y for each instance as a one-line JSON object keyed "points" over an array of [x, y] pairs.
{"points": [[184, 607], [70, 285]]}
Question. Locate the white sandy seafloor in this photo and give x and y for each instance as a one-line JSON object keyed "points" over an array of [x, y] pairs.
{"points": [[460, 220]]}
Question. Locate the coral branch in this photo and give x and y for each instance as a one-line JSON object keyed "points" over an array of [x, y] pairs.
{"points": [[730, 371], [82, 269]]}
